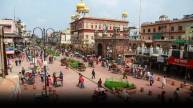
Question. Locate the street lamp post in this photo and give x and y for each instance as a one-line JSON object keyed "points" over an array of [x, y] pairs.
{"points": [[116, 30], [44, 37]]}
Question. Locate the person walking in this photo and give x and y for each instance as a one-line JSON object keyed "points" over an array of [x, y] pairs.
{"points": [[151, 80], [20, 78], [145, 67], [109, 66], [97, 61], [176, 95], [61, 77], [54, 79], [23, 71], [81, 82], [100, 83], [42, 76], [49, 80], [10, 67], [148, 75], [93, 74], [163, 82], [19, 62]]}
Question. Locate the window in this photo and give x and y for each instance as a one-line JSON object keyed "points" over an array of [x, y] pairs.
{"points": [[86, 36], [92, 37], [179, 28], [149, 30], [143, 30], [8, 27], [99, 26], [154, 30], [91, 26], [159, 28], [95, 26], [162, 38], [172, 28], [149, 38]]}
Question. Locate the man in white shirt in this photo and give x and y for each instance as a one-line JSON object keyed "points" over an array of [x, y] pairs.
{"points": [[148, 75], [163, 82]]}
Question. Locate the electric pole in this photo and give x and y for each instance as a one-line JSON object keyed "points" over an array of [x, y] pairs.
{"points": [[3, 59]]}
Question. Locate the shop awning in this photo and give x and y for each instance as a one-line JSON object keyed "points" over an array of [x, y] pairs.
{"points": [[179, 41]]}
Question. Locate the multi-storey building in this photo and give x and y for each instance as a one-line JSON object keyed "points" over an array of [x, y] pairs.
{"points": [[83, 29], [165, 32], [161, 36], [10, 30], [14, 30]]}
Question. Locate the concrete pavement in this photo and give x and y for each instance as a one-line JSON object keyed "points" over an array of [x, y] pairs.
{"points": [[70, 92]]}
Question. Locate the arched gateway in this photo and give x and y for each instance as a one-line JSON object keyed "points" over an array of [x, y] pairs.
{"points": [[99, 49]]}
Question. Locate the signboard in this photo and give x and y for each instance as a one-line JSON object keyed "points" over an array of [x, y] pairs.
{"points": [[180, 41], [10, 51], [181, 62]]}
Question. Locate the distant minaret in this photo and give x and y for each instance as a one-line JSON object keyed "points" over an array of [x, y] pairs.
{"points": [[14, 14], [124, 15]]}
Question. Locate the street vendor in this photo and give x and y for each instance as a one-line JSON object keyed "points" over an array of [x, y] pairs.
{"points": [[54, 79], [100, 83]]}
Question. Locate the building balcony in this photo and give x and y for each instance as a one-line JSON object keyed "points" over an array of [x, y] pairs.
{"points": [[163, 40], [106, 37]]}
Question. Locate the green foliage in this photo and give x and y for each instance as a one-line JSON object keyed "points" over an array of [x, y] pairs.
{"points": [[52, 52], [73, 63], [118, 84]]}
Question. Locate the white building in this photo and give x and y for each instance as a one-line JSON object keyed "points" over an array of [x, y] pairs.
{"points": [[10, 30], [66, 37], [134, 34]]}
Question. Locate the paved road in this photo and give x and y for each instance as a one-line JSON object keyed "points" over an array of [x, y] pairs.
{"points": [[69, 92]]}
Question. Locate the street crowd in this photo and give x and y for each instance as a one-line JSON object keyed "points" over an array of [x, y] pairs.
{"points": [[56, 79]]}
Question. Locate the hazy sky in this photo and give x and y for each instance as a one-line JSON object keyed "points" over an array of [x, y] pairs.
{"points": [[57, 13]]}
